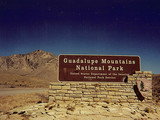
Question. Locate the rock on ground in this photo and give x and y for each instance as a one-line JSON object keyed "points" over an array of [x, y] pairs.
{"points": [[84, 111]]}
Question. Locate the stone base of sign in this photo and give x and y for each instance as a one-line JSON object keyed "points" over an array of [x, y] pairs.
{"points": [[126, 91]]}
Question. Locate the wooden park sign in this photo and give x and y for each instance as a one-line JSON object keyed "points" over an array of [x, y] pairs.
{"points": [[95, 68]]}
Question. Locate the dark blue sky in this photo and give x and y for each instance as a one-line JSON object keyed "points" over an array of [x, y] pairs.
{"points": [[105, 27]]}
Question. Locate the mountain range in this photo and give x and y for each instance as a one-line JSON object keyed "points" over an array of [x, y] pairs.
{"points": [[35, 69]]}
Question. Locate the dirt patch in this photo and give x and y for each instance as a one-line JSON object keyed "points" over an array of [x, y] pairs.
{"points": [[9, 102], [14, 91]]}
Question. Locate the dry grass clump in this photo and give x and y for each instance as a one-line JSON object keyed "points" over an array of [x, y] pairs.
{"points": [[149, 110], [12, 80], [9, 102], [71, 108]]}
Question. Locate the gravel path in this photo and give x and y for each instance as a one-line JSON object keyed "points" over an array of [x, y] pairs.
{"points": [[14, 91]]}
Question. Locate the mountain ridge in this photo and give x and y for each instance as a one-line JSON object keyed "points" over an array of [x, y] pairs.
{"points": [[37, 64]]}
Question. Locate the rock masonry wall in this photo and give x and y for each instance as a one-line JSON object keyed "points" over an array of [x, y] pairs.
{"points": [[100, 91]]}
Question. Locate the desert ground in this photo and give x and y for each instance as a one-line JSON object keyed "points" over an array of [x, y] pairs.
{"points": [[33, 105], [15, 91], [36, 107], [24, 83]]}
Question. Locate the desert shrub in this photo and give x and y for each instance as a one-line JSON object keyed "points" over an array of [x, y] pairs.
{"points": [[149, 110], [43, 98], [71, 108]]}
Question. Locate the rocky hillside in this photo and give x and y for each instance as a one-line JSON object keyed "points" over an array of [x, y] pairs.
{"points": [[36, 66]]}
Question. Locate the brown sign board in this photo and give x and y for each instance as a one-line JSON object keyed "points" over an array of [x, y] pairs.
{"points": [[93, 68]]}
